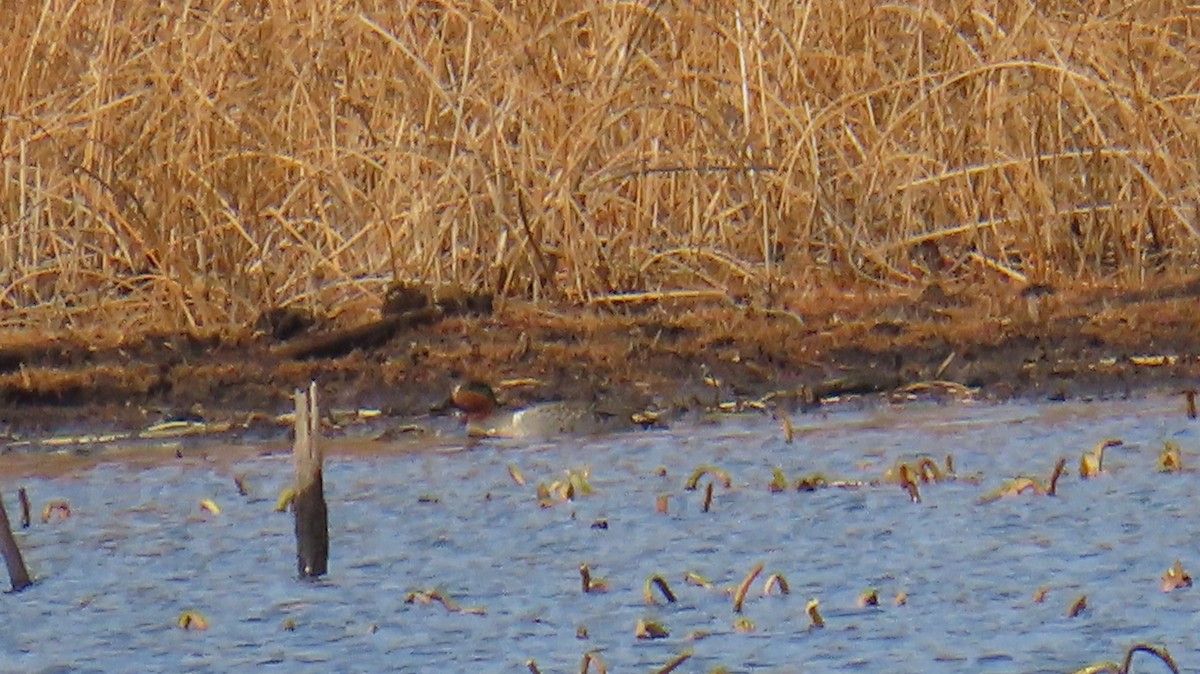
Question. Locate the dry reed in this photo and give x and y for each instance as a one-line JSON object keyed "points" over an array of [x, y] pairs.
{"points": [[188, 165]]}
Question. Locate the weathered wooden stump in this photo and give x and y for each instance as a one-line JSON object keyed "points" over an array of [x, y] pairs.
{"points": [[312, 516], [17, 572]]}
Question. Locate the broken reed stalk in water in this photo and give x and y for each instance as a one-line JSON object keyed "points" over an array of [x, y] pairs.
{"points": [[586, 665], [1091, 464], [1123, 668], [909, 484], [1157, 651], [590, 584], [649, 629], [1024, 484], [708, 494], [813, 609], [17, 572], [776, 580], [1170, 459], [59, 508], [779, 481], [661, 583], [694, 480], [674, 663], [1176, 577], [312, 515], [928, 470], [1052, 489], [739, 597], [1077, 607], [23, 497]]}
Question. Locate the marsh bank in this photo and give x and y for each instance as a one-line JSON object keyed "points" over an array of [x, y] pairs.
{"points": [[669, 353]]}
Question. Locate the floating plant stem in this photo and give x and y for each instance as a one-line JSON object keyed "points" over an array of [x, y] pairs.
{"points": [[1176, 578], [1112, 667], [586, 665], [661, 583], [1170, 459], [813, 609], [674, 663], [779, 481], [1077, 607], [693, 578], [425, 597], [708, 496], [648, 629], [239, 482], [210, 505], [1091, 463], [515, 474], [776, 581], [869, 597], [580, 483], [811, 482], [662, 503], [700, 472], [909, 484], [285, 499], [192, 620], [60, 508], [929, 471], [1059, 467], [739, 597], [533, 667], [589, 584], [1025, 484], [1190, 396], [1159, 652]]}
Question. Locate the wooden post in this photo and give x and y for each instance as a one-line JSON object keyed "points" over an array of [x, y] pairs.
{"points": [[12, 554], [312, 517]]}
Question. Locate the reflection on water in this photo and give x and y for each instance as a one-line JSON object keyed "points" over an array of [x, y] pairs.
{"points": [[137, 551]]}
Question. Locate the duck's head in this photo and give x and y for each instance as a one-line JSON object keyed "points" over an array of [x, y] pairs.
{"points": [[475, 399]]}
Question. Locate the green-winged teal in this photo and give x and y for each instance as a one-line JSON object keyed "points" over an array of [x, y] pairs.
{"points": [[478, 403]]}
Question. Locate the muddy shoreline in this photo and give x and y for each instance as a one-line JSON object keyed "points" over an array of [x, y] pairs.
{"points": [[672, 355]]}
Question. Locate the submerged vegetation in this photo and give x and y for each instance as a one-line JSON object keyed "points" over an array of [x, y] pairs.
{"points": [[174, 166]]}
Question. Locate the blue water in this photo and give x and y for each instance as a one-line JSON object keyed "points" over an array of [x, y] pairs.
{"points": [[138, 550]]}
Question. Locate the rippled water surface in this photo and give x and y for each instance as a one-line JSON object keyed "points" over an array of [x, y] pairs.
{"points": [[138, 550]]}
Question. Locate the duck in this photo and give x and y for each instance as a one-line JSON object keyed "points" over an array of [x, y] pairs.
{"points": [[480, 407]]}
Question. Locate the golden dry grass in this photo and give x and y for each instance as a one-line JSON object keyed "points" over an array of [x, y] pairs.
{"points": [[185, 165]]}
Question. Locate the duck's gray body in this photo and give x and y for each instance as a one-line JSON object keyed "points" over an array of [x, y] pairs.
{"points": [[547, 420]]}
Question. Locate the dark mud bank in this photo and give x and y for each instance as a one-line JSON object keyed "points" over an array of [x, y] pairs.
{"points": [[659, 354]]}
